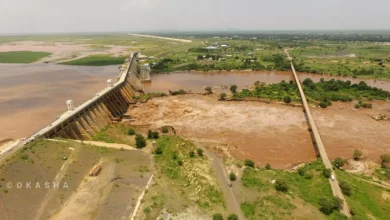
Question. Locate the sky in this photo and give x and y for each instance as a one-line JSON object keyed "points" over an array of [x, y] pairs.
{"points": [[52, 16]]}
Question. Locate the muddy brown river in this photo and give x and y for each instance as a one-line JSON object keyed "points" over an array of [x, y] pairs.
{"points": [[32, 95], [196, 81]]}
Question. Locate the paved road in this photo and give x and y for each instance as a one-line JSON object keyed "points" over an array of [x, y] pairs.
{"points": [[321, 148], [232, 204]]}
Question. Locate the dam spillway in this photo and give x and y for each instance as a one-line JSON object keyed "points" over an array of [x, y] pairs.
{"points": [[84, 121]]}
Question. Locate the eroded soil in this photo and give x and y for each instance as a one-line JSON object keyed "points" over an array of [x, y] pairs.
{"points": [[268, 133]]}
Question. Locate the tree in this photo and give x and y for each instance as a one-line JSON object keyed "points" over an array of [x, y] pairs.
{"points": [[327, 205], [301, 171], [357, 154], [222, 96], [192, 153], [323, 104], [345, 188], [164, 129], [155, 135], [150, 134], [208, 90], [268, 166], [232, 217], [327, 172], [233, 89], [281, 185], [232, 176], [287, 99], [131, 131], [140, 141], [309, 175], [339, 162], [200, 152], [217, 216], [180, 162], [158, 150], [249, 163]]}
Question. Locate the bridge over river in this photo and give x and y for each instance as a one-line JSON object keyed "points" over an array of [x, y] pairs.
{"points": [[320, 148]]}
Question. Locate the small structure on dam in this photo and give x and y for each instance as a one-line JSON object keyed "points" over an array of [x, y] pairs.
{"points": [[69, 104], [145, 73]]}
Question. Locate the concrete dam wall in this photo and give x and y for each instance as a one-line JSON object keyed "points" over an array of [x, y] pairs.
{"points": [[108, 105]]}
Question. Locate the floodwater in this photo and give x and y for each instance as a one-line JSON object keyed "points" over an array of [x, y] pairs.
{"points": [[32, 95], [196, 81]]}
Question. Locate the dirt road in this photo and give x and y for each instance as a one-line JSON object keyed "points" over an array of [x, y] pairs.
{"points": [[60, 175]]}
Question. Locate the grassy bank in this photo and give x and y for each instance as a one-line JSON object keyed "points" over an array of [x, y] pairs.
{"points": [[22, 56], [184, 181], [96, 60], [304, 191], [366, 201]]}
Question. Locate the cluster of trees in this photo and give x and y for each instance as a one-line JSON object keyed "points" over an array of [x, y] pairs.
{"points": [[249, 163], [363, 104], [274, 62], [178, 92], [153, 134], [280, 61], [163, 65], [323, 92], [345, 91], [218, 216], [283, 91]]}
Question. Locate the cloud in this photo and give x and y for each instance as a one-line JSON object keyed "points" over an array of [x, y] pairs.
{"points": [[131, 5]]}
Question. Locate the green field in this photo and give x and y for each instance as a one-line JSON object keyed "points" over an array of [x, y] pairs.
{"points": [[21, 56], [96, 60], [359, 56], [366, 200], [262, 200]]}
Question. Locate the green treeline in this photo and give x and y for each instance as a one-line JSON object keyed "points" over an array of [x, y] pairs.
{"points": [[271, 62], [323, 92]]}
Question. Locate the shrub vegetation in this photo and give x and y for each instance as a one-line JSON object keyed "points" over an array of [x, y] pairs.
{"points": [[140, 141]]}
